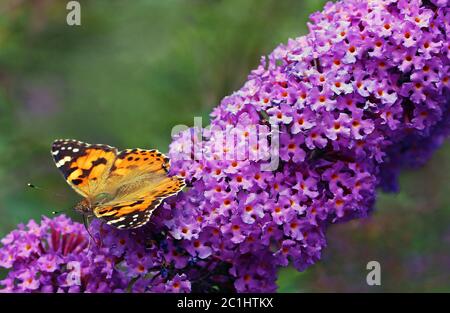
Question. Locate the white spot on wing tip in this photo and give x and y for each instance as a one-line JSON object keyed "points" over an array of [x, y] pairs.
{"points": [[63, 161]]}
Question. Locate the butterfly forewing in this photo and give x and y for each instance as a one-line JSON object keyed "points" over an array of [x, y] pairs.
{"points": [[84, 166]]}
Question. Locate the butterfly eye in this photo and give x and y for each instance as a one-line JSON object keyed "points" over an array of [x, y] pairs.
{"points": [[103, 197]]}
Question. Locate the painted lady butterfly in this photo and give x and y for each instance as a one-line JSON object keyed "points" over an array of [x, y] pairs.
{"points": [[122, 188]]}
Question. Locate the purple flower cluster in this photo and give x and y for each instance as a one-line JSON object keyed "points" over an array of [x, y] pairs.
{"points": [[54, 257], [363, 95], [60, 256]]}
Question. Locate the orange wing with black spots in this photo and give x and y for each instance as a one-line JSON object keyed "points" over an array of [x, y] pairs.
{"points": [[134, 209], [121, 188], [139, 181], [84, 166], [152, 161]]}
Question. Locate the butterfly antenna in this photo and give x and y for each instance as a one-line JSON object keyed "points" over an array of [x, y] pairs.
{"points": [[62, 211], [32, 186]]}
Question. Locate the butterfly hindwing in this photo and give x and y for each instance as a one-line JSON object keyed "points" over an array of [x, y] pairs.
{"points": [[136, 169], [84, 166], [127, 215], [135, 209]]}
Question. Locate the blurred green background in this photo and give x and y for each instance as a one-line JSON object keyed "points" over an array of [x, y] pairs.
{"points": [[134, 69]]}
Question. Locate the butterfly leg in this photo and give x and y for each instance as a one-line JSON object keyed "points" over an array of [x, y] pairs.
{"points": [[86, 223]]}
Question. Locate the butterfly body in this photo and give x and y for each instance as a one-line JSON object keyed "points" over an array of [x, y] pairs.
{"points": [[84, 207], [122, 188]]}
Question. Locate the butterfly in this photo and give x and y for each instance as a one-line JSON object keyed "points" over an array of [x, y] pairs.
{"points": [[121, 188]]}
